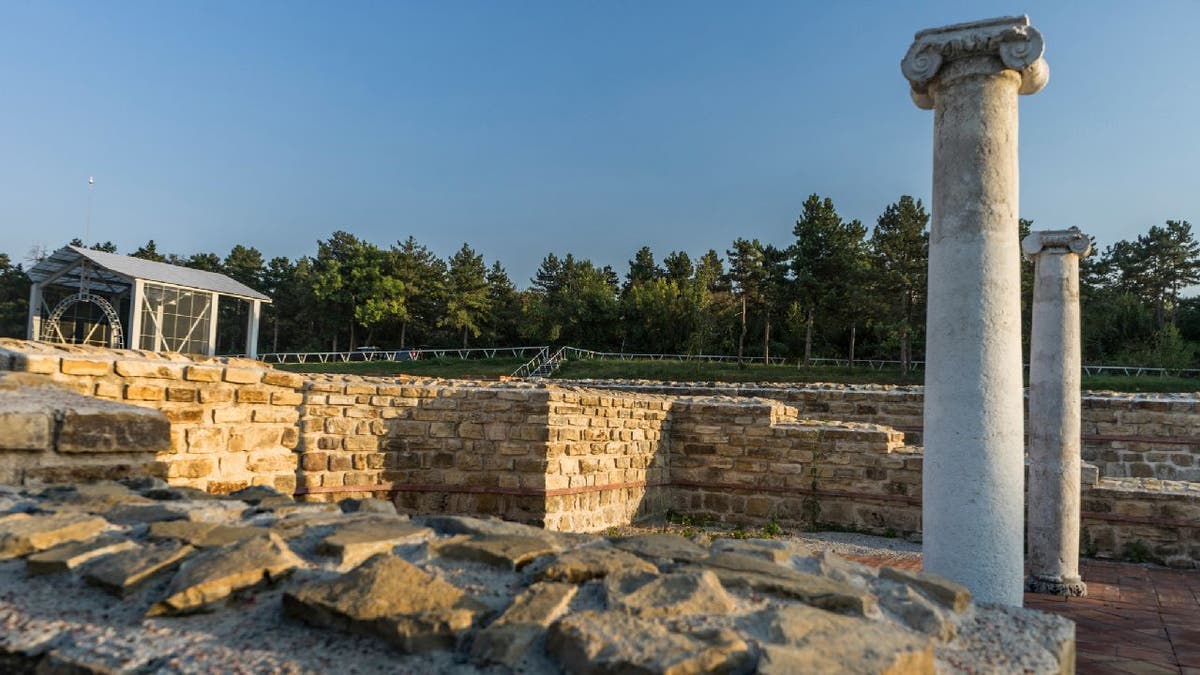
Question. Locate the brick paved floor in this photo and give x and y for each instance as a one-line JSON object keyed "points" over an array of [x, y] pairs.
{"points": [[1136, 618]]}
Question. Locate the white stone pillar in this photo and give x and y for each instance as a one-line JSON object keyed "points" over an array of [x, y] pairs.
{"points": [[252, 329], [973, 487], [33, 329], [1054, 412]]}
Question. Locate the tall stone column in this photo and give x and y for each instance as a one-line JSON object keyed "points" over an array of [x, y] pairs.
{"points": [[1054, 412], [973, 487]]}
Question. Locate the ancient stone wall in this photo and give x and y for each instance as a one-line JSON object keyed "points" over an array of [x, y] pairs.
{"points": [[233, 421], [1125, 435], [564, 458]]}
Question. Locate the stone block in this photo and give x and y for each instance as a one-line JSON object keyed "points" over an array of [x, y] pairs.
{"points": [[242, 375], [280, 378], [195, 373], [145, 392], [76, 366], [150, 369]]}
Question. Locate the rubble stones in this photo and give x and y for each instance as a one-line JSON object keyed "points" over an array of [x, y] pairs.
{"points": [[204, 535], [511, 552], [368, 505], [594, 562], [508, 639], [124, 572], [662, 547], [211, 576], [392, 599], [575, 603], [810, 640], [616, 642], [668, 595], [358, 540], [949, 593], [21, 533], [72, 555]]}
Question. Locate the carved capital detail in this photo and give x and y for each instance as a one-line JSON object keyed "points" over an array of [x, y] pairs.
{"points": [[1070, 240], [1018, 45]]}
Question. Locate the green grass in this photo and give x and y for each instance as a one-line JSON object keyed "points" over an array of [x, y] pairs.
{"points": [[444, 367], [697, 371]]}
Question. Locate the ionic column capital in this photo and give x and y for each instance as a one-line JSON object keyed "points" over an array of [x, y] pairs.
{"points": [[1015, 44], [1070, 240]]}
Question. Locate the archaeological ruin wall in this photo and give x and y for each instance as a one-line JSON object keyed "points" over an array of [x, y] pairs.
{"points": [[566, 458]]}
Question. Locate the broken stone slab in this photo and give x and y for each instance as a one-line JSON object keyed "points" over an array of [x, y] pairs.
{"points": [[213, 575], [179, 492], [771, 550], [355, 541], [290, 509], [207, 511], [740, 571], [506, 552], [674, 594], [494, 527], [915, 610], [594, 562], [615, 642], [22, 533], [367, 505], [842, 569], [948, 593], [124, 572], [39, 415], [389, 598], [662, 547], [74, 554], [809, 640], [204, 535], [256, 494], [97, 498], [508, 639]]}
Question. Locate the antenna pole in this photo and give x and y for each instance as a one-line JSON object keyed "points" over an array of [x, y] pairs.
{"points": [[87, 227]]}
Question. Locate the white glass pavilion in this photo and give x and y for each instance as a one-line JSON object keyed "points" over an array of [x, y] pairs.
{"points": [[82, 296]]}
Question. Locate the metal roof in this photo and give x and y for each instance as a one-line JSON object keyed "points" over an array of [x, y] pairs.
{"points": [[114, 273]]}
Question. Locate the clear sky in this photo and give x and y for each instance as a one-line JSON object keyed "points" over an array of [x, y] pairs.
{"points": [[524, 127]]}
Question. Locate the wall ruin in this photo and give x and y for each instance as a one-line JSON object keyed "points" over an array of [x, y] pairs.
{"points": [[571, 458]]}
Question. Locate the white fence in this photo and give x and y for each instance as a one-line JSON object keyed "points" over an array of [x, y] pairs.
{"points": [[540, 354]]}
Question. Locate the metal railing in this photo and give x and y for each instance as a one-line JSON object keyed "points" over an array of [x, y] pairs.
{"points": [[527, 368], [680, 358], [395, 354], [543, 355]]}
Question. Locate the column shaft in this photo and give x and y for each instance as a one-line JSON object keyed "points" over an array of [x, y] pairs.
{"points": [[974, 474]]}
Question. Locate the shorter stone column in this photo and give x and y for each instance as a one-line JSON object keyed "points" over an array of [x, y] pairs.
{"points": [[1054, 412]]}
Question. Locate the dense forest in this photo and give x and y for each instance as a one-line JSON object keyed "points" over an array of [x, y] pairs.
{"points": [[838, 289]]}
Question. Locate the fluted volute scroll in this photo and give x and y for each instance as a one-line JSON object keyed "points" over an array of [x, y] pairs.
{"points": [[1015, 44]]}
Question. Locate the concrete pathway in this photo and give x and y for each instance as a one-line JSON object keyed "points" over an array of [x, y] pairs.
{"points": [[1136, 619]]}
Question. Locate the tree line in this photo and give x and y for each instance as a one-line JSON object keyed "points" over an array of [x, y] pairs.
{"points": [[837, 289]]}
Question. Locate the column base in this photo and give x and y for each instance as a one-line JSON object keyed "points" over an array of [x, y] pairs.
{"points": [[1073, 587]]}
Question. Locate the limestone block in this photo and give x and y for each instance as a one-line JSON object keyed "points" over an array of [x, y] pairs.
{"points": [[356, 541], [511, 552], [211, 576], [615, 642], [242, 375], [22, 534], [390, 598], [594, 562], [76, 366], [71, 555], [509, 639], [150, 369], [808, 640]]}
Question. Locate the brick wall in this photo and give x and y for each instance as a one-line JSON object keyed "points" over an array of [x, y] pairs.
{"points": [[1125, 435], [233, 421], [577, 459]]}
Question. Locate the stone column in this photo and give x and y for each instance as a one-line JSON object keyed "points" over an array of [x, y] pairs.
{"points": [[973, 485], [1054, 412]]}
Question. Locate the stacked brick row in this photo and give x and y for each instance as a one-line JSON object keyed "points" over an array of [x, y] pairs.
{"points": [[1145, 520], [1140, 436], [233, 421], [607, 455], [753, 461], [439, 449]]}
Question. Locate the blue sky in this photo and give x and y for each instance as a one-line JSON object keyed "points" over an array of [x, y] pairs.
{"points": [[526, 127]]}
